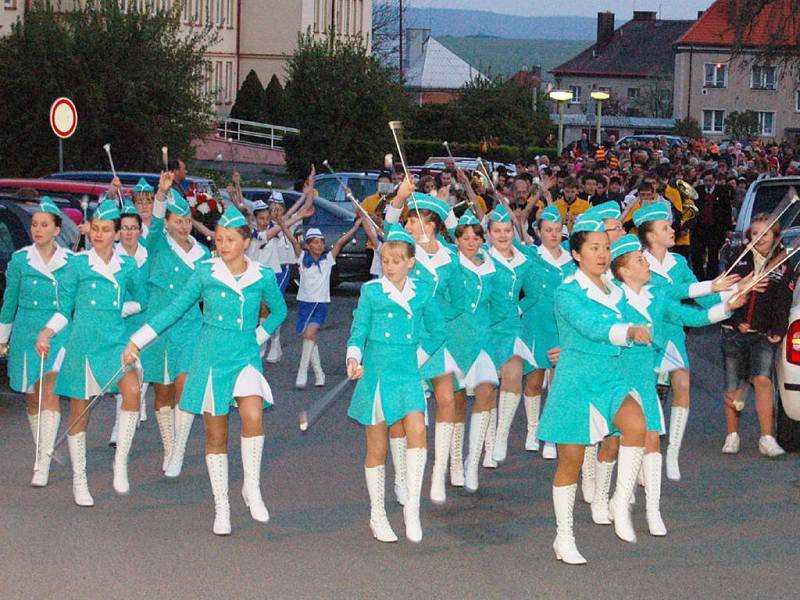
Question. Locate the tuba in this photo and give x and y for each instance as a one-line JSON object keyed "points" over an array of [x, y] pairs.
{"points": [[688, 197]]}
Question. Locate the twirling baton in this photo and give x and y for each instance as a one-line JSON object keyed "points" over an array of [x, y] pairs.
{"points": [[350, 196], [165, 157], [317, 409], [397, 131], [39, 412], [107, 148], [449, 153], [500, 196], [102, 391]]}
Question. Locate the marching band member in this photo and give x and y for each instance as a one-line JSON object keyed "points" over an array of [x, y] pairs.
{"points": [[98, 290], [650, 306], [654, 228], [469, 336], [143, 201], [34, 292], [173, 255], [231, 288], [438, 267], [587, 397], [511, 267], [550, 265], [392, 314], [314, 295], [129, 244]]}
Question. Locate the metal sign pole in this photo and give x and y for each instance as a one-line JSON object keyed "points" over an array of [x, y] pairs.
{"points": [[60, 155]]}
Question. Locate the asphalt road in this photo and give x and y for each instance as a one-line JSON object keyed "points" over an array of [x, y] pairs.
{"points": [[733, 521]]}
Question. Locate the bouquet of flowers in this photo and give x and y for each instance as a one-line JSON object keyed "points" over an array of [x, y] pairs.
{"points": [[205, 208]]}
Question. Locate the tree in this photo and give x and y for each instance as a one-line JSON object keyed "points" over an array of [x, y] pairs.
{"points": [[654, 100], [780, 19], [134, 79], [341, 98], [688, 128], [386, 31], [275, 102], [742, 126], [251, 101]]}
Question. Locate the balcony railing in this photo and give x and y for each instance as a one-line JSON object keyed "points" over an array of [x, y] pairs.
{"points": [[252, 132]]}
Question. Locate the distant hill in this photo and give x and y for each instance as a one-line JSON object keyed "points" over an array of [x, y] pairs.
{"points": [[461, 23], [500, 56]]}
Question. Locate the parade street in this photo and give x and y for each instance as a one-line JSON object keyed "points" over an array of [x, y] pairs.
{"points": [[732, 520]]}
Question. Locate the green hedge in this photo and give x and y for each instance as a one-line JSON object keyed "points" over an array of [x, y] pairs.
{"points": [[418, 151]]}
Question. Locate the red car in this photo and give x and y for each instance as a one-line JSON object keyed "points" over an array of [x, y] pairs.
{"points": [[67, 194]]}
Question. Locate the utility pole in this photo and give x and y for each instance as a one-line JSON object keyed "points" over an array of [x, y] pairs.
{"points": [[333, 23], [401, 39]]}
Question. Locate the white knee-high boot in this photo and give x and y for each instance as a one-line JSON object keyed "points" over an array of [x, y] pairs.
{"points": [[143, 402], [112, 439], [183, 427], [218, 475], [489, 438], [478, 425], [378, 521], [603, 472], [50, 420], [564, 544], [252, 450], [415, 471], [532, 406], [677, 427], [127, 429], [628, 462], [33, 421], [316, 366], [77, 455], [443, 436], [457, 456], [651, 467], [509, 401], [397, 448], [275, 353], [302, 369], [587, 473], [165, 417]]}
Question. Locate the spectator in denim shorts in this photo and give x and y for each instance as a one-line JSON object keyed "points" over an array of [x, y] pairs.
{"points": [[752, 335]]}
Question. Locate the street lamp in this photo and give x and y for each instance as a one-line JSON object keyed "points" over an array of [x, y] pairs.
{"points": [[599, 97], [562, 97]]}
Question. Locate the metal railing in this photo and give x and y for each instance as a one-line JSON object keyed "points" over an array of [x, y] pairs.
{"points": [[252, 132]]}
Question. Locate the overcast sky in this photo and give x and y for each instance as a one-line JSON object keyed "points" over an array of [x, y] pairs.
{"points": [[669, 9]]}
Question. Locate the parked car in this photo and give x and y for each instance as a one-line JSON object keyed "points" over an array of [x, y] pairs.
{"points": [[630, 140], [131, 178], [763, 195], [361, 184], [437, 163], [64, 193], [333, 218]]}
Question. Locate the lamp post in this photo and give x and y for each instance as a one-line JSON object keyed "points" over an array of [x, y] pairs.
{"points": [[599, 97], [561, 97]]}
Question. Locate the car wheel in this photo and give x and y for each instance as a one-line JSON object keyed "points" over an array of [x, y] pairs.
{"points": [[787, 430]]}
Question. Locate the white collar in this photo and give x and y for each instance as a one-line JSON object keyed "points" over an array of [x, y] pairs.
{"points": [[58, 260], [401, 297], [140, 256], [190, 257], [640, 301], [221, 272], [433, 261], [547, 256], [662, 268], [517, 259], [609, 299], [480, 270], [106, 269]]}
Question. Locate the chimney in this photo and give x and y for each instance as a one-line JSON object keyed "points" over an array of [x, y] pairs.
{"points": [[415, 46], [644, 15], [700, 13], [537, 71], [605, 29]]}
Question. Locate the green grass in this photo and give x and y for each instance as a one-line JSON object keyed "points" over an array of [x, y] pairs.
{"points": [[502, 56]]}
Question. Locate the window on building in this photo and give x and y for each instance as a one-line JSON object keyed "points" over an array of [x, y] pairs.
{"points": [[228, 82], [716, 75], [10, 4], [220, 13], [576, 94], [766, 123], [797, 100], [218, 91], [317, 15], [359, 17], [633, 92], [185, 11], [713, 121], [208, 73], [123, 5], [209, 8], [198, 9], [347, 7], [763, 78]]}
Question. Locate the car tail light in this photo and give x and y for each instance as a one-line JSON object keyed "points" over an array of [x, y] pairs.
{"points": [[793, 343]]}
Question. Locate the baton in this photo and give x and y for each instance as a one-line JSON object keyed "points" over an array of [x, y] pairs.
{"points": [[317, 409], [102, 391], [39, 413], [352, 198]]}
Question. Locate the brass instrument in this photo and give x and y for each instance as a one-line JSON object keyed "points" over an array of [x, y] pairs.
{"points": [[688, 197]]}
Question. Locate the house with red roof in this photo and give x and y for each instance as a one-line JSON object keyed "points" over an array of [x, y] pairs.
{"points": [[711, 83]]}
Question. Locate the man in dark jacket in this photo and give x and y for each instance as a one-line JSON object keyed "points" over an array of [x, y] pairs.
{"points": [[713, 222]]}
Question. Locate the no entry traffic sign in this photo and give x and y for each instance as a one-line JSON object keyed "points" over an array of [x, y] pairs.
{"points": [[63, 117]]}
